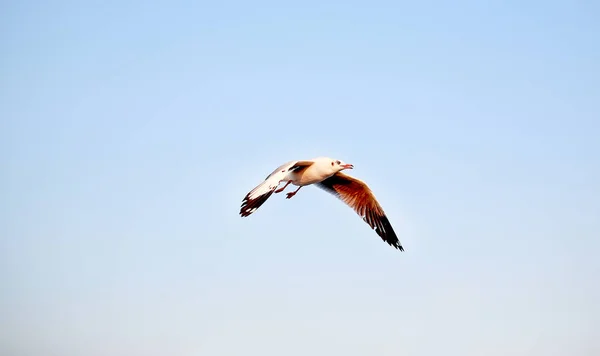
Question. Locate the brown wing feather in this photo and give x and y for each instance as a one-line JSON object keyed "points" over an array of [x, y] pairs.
{"points": [[359, 197]]}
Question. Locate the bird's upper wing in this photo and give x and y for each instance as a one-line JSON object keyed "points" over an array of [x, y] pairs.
{"points": [[257, 196], [356, 194], [292, 166]]}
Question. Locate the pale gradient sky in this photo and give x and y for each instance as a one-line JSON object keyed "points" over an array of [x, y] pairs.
{"points": [[131, 131]]}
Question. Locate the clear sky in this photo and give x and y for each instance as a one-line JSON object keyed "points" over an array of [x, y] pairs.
{"points": [[131, 131]]}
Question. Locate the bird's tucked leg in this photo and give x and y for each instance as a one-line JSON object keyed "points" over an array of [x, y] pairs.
{"points": [[282, 189], [291, 194]]}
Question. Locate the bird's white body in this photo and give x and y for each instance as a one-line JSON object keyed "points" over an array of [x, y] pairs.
{"points": [[320, 170]]}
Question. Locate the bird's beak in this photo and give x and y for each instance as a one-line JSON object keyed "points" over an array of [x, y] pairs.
{"points": [[348, 166]]}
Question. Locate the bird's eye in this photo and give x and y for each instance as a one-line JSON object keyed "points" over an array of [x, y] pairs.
{"points": [[332, 163]]}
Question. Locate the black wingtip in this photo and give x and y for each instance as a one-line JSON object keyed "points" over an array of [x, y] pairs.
{"points": [[249, 206], [395, 244], [388, 234]]}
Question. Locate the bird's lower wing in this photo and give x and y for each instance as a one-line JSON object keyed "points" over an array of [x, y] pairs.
{"points": [[356, 194]]}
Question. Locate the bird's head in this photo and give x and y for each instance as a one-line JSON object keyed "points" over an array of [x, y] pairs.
{"points": [[339, 165]]}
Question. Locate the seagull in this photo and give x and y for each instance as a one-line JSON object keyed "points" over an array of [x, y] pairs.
{"points": [[325, 173]]}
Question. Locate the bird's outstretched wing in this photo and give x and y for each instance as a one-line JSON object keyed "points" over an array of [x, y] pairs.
{"points": [[257, 196], [356, 194]]}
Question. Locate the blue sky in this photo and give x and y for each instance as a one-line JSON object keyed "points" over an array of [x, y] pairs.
{"points": [[131, 131]]}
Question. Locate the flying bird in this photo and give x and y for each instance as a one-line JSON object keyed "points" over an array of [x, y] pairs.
{"points": [[325, 173]]}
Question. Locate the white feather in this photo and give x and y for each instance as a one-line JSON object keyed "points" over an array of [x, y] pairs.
{"points": [[272, 181]]}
